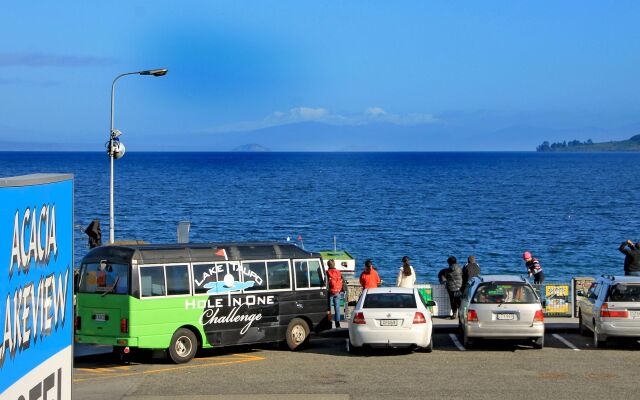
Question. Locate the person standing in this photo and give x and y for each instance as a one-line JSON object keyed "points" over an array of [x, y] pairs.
{"points": [[407, 275], [453, 284], [632, 257], [335, 290], [369, 278], [470, 269], [533, 268]]}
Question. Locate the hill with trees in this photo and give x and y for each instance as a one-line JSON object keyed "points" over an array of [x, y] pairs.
{"points": [[632, 144]]}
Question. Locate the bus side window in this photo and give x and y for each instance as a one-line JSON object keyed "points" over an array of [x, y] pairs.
{"points": [[206, 273], [315, 273], [257, 273], [278, 275], [302, 275], [152, 281], [177, 279]]}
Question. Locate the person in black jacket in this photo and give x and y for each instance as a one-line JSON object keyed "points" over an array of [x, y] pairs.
{"points": [[470, 269], [454, 284], [632, 257]]}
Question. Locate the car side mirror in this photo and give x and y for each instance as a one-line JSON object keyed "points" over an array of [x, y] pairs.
{"points": [[431, 303]]}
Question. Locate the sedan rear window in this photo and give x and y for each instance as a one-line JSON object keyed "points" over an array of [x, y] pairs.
{"points": [[508, 292], [390, 300], [622, 292]]}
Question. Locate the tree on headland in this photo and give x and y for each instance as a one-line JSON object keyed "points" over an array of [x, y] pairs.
{"points": [[632, 144]]}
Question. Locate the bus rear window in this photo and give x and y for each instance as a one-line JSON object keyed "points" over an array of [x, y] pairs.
{"points": [[104, 277], [622, 292], [507, 292]]}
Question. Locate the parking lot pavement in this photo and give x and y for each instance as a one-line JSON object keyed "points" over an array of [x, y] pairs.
{"points": [[325, 367]]}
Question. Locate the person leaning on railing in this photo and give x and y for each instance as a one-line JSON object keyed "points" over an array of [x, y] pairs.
{"points": [[533, 268], [407, 275], [369, 278], [335, 290]]}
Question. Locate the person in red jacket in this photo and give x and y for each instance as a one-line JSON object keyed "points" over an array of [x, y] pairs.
{"points": [[369, 278], [335, 290]]}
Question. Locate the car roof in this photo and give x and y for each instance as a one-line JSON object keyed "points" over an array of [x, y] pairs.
{"points": [[622, 279], [389, 290], [501, 278]]}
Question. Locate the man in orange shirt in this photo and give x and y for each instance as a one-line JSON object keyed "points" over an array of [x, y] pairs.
{"points": [[369, 278]]}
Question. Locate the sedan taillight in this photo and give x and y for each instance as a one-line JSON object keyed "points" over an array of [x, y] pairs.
{"points": [[605, 312], [419, 318], [472, 315], [359, 318]]}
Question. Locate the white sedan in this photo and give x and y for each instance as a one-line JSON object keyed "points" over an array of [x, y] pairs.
{"points": [[392, 318]]}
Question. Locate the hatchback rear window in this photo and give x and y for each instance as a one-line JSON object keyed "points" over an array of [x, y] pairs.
{"points": [[622, 292], [507, 292], [390, 300]]}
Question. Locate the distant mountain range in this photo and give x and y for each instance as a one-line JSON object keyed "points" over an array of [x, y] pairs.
{"points": [[251, 148], [481, 131], [575, 146]]}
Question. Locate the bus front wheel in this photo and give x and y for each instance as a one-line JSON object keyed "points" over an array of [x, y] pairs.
{"points": [[297, 333], [183, 346]]}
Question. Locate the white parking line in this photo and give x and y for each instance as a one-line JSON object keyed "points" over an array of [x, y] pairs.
{"points": [[566, 342], [455, 340]]}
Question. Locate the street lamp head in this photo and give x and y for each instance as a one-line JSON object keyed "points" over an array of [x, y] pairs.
{"points": [[155, 72], [117, 151]]}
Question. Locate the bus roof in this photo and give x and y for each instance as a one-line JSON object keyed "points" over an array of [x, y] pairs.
{"points": [[195, 252], [336, 255]]}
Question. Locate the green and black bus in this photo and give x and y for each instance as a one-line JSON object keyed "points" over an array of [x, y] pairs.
{"points": [[181, 297]]}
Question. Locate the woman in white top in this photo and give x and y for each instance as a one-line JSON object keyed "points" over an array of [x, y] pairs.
{"points": [[407, 275]]}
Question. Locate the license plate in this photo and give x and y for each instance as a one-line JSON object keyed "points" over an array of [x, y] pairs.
{"points": [[505, 317], [388, 322], [101, 317], [634, 313]]}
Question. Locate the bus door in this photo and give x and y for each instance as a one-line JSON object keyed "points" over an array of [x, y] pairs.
{"points": [[310, 290]]}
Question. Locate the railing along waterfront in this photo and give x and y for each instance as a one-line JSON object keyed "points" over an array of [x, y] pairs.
{"points": [[558, 297]]}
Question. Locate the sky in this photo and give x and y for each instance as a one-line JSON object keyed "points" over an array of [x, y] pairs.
{"points": [[318, 76]]}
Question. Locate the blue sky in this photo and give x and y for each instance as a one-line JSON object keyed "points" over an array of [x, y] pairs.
{"points": [[434, 75]]}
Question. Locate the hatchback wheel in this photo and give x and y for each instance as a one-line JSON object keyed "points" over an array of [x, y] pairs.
{"points": [[598, 341], [581, 327], [466, 340], [538, 343]]}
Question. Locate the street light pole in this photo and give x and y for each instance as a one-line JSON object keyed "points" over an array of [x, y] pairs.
{"points": [[113, 135]]}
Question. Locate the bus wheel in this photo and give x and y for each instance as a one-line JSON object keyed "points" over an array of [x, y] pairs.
{"points": [[297, 333], [183, 346]]}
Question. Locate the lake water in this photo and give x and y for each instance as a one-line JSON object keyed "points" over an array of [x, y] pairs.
{"points": [[571, 210]]}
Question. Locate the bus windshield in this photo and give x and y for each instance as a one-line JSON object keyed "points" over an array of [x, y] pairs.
{"points": [[103, 278]]}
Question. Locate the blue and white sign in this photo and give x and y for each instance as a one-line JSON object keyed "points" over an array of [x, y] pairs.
{"points": [[36, 286]]}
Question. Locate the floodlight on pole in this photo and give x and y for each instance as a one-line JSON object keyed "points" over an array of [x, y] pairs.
{"points": [[115, 149]]}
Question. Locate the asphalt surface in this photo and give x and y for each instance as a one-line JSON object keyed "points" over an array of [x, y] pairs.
{"points": [[568, 367]]}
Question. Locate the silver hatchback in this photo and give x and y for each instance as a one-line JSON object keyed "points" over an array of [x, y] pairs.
{"points": [[611, 308], [501, 307]]}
